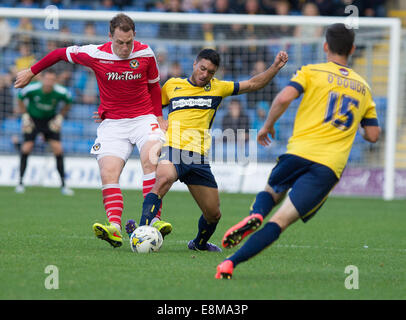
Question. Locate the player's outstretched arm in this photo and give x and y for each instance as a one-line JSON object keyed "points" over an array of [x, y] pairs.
{"points": [[25, 76], [278, 107], [261, 80]]}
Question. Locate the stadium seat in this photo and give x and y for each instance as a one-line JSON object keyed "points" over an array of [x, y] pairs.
{"points": [[147, 30], [7, 3], [138, 6], [89, 128], [11, 126], [82, 111], [6, 144], [72, 128], [381, 108], [68, 146], [83, 146], [356, 153], [101, 27]]}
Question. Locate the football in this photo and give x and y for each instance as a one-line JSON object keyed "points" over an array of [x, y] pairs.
{"points": [[146, 239]]}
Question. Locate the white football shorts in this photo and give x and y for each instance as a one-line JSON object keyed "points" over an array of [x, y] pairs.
{"points": [[117, 137]]}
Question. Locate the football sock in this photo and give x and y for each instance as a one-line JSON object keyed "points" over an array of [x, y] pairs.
{"points": [[150, 207], [263, 204], [23, 165], [60, 168], [113, 203], [205, 231], [148, 182], [256, 243]]}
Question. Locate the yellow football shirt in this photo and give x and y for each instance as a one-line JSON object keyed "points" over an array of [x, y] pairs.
{"points": [[335, 101], [192, 110]]}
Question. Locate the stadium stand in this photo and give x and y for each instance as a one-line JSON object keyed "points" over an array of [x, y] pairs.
{"points": [[79, 130]]}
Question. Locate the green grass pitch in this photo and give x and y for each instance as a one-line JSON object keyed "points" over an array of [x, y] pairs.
{"points": [[42, 227]]}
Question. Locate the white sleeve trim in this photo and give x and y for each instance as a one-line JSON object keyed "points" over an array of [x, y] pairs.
{"points": [[154, 80], [68, 52]]}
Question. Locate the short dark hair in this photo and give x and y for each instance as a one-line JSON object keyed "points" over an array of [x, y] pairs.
{"points": [[340, 39], [209, 54], [123, 22]]}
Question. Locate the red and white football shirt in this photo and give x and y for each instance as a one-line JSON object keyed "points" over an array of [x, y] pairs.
{"points": [[123, 83]]}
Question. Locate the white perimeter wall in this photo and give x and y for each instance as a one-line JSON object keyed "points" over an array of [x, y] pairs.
{"points": [[84, 173]]}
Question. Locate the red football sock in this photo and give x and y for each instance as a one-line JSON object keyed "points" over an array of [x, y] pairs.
{"points": [[113, 203]]}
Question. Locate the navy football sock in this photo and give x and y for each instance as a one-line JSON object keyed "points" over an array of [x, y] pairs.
{"points": [[23, 166], [256, 243], [60, 168], [263, 204], [150, 208], [206, 230]]}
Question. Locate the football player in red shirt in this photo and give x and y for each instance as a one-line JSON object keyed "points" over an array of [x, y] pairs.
{"points": [[128, 80]]}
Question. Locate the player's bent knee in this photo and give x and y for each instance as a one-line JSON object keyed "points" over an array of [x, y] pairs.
{"points": [[27, 147], [162, 185], [277, 197], [213, 217]]}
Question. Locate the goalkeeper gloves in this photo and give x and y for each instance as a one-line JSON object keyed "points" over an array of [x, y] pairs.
{"points": [[56, 123], [28, 124]]}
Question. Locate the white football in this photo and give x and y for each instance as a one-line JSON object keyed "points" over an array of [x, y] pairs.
{"points": [[146, 239]]}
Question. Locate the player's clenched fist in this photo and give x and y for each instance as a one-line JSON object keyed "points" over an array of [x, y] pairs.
{"points": [[280, 60]]}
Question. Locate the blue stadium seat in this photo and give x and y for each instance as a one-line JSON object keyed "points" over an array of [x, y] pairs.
{"points": [[282, 80], [101, 27], [381, 108], [11, 126], [137, 6], [81, 6], [9, 56], [72, 128], [83, 146], [90, 128], [33, 5], [68, 145], [356, 153], [82, 111], [13, 22], [77, 27], [7, 3], [147, 30], [6, 144]]}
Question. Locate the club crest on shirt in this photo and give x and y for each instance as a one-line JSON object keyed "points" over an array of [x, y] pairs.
{"points": [[207, 87], [96, 147], [344, 72], [134, 64]]}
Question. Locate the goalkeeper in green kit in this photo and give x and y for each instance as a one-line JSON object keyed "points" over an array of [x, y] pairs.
{"points": [[38, 104]]}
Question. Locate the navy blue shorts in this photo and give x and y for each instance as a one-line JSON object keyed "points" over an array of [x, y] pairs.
{"points": [[42, 126], [310, 183], [192, 167]]}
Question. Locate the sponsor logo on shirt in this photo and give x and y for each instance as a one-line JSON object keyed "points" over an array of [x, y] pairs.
{"points": [[344, 72], [125, 75], [199, 102], [106, 61]]}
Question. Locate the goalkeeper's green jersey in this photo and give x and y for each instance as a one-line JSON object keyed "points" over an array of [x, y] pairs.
{"points": [[42, 105]]}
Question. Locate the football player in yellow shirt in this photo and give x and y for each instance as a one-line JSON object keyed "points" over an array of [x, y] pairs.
{"points": [[192, 104], [336, 101]]}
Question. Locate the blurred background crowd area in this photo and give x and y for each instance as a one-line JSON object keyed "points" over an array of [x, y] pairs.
{"points": [[295, 7], [245, 51]]}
